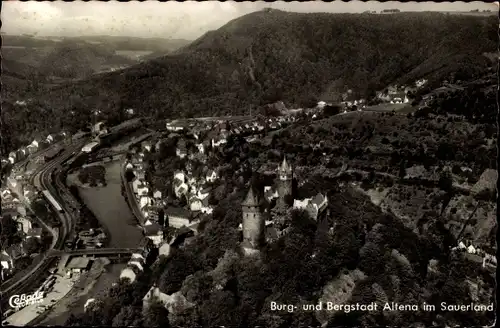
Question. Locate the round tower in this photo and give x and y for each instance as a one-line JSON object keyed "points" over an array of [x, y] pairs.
{"points": [[285, 180], [253, 221]]}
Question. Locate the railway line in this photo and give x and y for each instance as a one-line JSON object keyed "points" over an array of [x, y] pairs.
{"points": [[41, 180]]}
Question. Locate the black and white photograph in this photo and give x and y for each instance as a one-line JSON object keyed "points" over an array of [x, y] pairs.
{"points": [[249, 164]]}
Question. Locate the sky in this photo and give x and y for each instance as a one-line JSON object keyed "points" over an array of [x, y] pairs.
{"points": [[175, 20]]}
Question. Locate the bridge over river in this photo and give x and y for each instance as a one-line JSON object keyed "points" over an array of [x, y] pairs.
{"points": [[96, 252]]}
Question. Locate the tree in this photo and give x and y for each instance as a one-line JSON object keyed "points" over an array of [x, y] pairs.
{"points": [[182, 201], [33, 245], [129, 175], [8, 231], [128, 316], [445, 182], [161, 217], [156, 315]]}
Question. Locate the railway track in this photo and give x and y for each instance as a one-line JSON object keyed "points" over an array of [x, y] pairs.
{"points": [[42, 179]]}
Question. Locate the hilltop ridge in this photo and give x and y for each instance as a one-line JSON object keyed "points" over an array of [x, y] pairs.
{"points": [[273, 55]]}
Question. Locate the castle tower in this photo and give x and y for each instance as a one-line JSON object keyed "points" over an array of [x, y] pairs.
{"points": [[285, 180], [253, 222]]}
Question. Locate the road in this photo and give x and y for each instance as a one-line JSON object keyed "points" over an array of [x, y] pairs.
{"points": [[131, 198], [42, 180]]}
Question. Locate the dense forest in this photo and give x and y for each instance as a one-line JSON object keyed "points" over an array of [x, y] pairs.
{"points": [[273, 55]]}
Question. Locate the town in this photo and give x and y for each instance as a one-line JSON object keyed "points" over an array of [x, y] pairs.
{"points": [[285, 166]]}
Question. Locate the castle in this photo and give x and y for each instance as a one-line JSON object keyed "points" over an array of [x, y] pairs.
{"points": [[253, 217]]}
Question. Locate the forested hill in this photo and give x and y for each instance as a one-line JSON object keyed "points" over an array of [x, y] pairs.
{"points": [[270, 55]]}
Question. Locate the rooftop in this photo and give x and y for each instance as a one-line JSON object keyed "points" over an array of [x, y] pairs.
{"points": [[251, 198], [78, 263], [35, 232]]}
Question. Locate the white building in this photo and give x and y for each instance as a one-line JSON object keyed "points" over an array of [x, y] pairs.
{"points": [[7, 264], [179, 176], [135, 185], [211, 176], [301, 204], [144, 201], [180, 188], [195, 204], [129, 274], [164, 249], [90, 147], [174, 303], [142, 190], [201, 148]]}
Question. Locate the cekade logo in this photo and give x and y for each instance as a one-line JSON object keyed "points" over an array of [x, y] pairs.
{"points": [[20, 301]]}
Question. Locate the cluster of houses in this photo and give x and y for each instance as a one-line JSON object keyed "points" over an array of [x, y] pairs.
{"points": [[135, 266], [398, 94], [313, 206], [475, 253], [216, 133], [11, 206], [395, 94], [36, 145], [149, 201]]}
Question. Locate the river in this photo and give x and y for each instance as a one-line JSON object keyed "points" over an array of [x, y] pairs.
{"points": [[111, 209]]}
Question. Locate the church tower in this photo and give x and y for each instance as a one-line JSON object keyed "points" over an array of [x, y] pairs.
{"points": [[253, 222], [284, 181]]}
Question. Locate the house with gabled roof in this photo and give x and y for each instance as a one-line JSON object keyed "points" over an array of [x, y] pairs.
{"points": [[5, 192], [211, 176], [35, 143], [130, 272], [180, 188], [195, 204], [144, 201], [135, 185], [203, 192], [12, 157], [179, 175]]}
